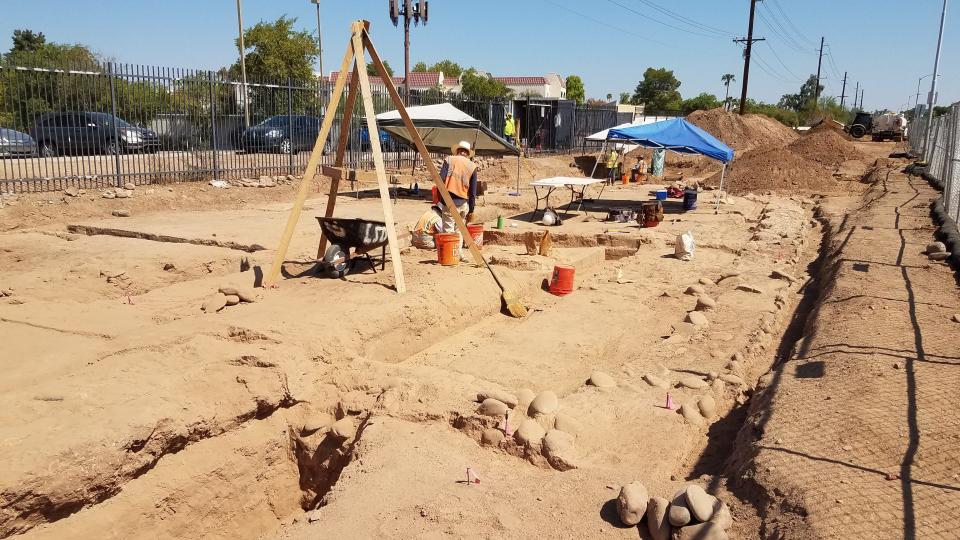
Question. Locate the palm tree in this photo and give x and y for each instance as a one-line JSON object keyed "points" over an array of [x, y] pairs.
{"points": [[727, 79]]}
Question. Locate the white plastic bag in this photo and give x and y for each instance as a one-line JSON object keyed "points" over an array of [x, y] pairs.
{"points": [[685, 246]]}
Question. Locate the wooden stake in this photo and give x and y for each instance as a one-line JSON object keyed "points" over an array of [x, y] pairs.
{"points": [[311, 171], [370, 113], [341, 150]]}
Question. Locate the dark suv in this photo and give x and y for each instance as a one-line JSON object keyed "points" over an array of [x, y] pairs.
{"points": [[282, 133], [90, 133]]}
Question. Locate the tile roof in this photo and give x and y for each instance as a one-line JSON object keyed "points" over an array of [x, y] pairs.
{"points": [[521, 80], [417, 79]]}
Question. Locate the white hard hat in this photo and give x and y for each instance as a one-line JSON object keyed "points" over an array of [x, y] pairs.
{"points": [[462, 145]]}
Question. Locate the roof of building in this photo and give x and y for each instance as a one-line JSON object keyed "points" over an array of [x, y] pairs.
{"points": [[521, 80], [418, 79]]}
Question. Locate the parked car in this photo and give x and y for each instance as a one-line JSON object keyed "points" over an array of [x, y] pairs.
{"points": [[282, 133], [15, 143], [90, 132], [387, 144]]}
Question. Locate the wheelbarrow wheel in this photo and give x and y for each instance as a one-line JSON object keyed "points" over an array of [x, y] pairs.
{"points": [[336, 261]]}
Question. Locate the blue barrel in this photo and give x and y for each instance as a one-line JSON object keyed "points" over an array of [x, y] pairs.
{"points": [[689, 199]]}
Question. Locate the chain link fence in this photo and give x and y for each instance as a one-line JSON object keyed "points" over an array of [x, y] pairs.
{"points": [[108, 124], [941, 154]]}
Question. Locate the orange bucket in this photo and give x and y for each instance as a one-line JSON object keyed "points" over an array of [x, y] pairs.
{"points": [[624, 178], [476, 231], [436, 194], [562, 282], [447, 248]]}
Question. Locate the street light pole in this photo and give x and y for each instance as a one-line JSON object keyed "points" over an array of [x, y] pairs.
{"points": [[243, 66], [319, 36], [932, 98], [918, 85]]}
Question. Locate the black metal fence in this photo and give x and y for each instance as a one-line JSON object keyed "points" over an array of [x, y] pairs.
{"points": [[109, 124]]}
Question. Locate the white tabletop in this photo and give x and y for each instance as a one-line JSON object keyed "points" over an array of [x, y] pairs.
{"points": [[566, 181]]}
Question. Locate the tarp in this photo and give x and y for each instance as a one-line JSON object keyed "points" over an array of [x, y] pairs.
{"points": [[677, 135], [443, 126], [602, 135]]}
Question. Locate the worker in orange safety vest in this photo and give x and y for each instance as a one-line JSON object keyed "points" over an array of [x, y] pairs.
{"points": [[459, 173]]}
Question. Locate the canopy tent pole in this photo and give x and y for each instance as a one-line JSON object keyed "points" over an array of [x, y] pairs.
{"points": [[597, 161], [720, 191]]}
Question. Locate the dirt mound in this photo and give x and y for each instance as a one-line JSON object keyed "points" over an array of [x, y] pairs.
{"points": [[829, 124], [776, 169], [743, 133], [826, 145]]}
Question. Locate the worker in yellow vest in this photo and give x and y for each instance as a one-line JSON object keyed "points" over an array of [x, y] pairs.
{"points": [[613, 165], [510, 129], [459, 173], [430, 223]]}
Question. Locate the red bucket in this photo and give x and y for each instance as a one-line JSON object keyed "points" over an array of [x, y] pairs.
{"points": [[562, 282], [436, 195], [447, 248], [476, 231]]}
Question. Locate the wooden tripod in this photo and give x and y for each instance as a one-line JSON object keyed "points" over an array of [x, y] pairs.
{"points": [[360, 43]]}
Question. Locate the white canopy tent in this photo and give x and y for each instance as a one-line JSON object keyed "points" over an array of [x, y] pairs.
{"points": [[442, 126]]}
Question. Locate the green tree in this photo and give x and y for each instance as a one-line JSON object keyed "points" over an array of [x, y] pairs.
{"points": [[659, 90], [609, 97], [480, 86], [624, 97], [372, 69], [275, 51], [803, 101], [448, 67], [703, 102], [727, 79], [419, 67], [575, 90], [27, 40]]}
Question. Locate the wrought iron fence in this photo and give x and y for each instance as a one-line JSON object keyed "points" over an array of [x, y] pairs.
{"points": [[108, 124]]}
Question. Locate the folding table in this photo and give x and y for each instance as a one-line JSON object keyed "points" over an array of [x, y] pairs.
{"points": [[577, 187]]}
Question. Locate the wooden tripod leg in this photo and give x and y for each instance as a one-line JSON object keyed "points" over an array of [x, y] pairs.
{"points": [[431, 167], [341, 150], [311, 171], [371, 115]]}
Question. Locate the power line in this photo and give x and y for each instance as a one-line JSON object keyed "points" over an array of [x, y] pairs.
{"points": [[658, 21], [778, 29], [771, 71], [777, 56], [786, 17], [607, 24], [687, 20]]}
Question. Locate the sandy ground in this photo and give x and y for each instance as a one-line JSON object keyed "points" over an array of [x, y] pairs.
{"points": [[338, 408], [855, 434]]}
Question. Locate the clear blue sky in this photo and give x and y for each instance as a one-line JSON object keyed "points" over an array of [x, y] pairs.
{"points": [[884, 44]]}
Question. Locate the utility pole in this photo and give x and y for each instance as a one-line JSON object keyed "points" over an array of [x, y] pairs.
{"points": [[856, 92], [843, 93], [418, 13], [319, 37], [932, 98], [861, 99], [746, 56], [243, 66], [816, 91]]}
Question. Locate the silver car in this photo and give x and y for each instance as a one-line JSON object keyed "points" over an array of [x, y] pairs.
{"points": [[16, 144]]}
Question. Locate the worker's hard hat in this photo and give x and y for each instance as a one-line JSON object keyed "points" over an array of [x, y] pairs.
{"points": [[462, 145]]}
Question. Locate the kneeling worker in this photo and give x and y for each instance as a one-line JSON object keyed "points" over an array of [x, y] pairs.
{"points": [[430, 224], [459, 174]]}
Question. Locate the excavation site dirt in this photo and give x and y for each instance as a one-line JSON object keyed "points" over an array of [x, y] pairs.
{"points": [[338, 408]]}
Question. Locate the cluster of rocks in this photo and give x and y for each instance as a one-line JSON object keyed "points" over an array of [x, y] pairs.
{"points": [[6, 292], [937, 251], [531, 425], [117, 193], [265, 181], [690, 514], [228, 296], [704, 407]]}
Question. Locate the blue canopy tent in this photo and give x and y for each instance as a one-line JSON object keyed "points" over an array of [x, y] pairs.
{"points": [[679, 136]]}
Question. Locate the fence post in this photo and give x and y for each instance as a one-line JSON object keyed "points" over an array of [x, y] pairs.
{"points": [[116, 128], [290, 131], [213, 123]]}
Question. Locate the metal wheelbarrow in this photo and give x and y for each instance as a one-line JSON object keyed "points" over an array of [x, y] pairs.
{"points": [[346, 234]]}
